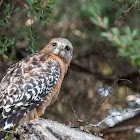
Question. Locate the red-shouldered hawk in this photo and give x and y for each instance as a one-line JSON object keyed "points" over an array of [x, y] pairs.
{"points": [[33, 83]]}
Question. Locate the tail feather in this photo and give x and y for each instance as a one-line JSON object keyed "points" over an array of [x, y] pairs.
{"points": [[7, 114], [9, 117], [2, 122], [20, 114], [7, 124], [33, 105]]}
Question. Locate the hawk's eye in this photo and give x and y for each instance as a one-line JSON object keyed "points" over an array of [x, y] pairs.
{"points": [[54, 44], [67, 48]]}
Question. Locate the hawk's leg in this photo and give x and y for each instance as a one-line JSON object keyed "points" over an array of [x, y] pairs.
{"points": [[36, 115]]}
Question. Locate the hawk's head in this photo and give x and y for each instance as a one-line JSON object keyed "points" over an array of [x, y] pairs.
{"points": [[61, 47]]}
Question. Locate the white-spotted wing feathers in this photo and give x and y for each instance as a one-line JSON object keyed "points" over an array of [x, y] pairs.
{"points": [[24, 86]]}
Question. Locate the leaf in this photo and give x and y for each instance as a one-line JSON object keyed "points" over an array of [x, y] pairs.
{"points": [[26, 6], [5, 48], [136, 43], [16, 9], [1, 43], [124, 39], [123, 52], [5, 43], [26, 33], [5, 12], [6, 20], [2, 24], [13, 41], [42, 11], [115, 31], [7, 138], [12, 53], [8, 8], [2, 50], [13, 6], [93, 20], [35, 1], [29, 13], [104, 34], [1, 17], [9, 16], [127, 30], [106, 22], [28, 48], [29, 1], [134, 33], [134, 57], [32, 50], [52, 5]]}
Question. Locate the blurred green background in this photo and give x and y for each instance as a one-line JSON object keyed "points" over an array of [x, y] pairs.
{"points": [[103, 79]]}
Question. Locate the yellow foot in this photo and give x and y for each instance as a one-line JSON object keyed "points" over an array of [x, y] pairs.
{"points": [[35, 115]]}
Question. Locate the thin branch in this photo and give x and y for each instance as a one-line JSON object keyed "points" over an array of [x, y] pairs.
{"points": [[133, 110], [109, 91], [32, 38], [6, 16], [21, 2], [104, 120], [78, 119], [135, 3], [98, 124], [1, 2], [126, 11]]}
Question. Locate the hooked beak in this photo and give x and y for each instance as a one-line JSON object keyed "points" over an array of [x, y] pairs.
{"points": [[61, 47]]}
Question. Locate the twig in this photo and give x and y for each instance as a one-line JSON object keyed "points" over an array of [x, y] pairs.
{"points": [[1, 2], [21, 2], [124, 80], [97, 125], [115, 38], [129, 8], [6, 16], [132, 110], [104, 120], [109, 91], [135, 3], [111, 116], [32, 44], [78, 119], [11, 131], [126, 11]]}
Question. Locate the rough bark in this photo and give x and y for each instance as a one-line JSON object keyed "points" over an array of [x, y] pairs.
{"points": [[43, 129]]}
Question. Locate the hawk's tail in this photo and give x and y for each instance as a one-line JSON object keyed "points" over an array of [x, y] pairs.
{"points": [[10, 116], [5, 127]]}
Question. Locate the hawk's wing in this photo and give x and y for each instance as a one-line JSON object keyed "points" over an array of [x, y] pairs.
{"points": [[25, 85]]}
